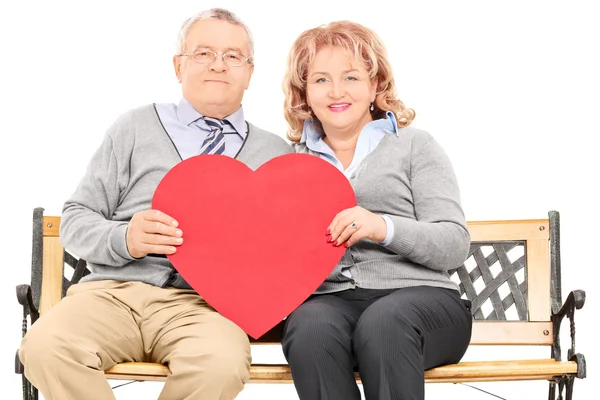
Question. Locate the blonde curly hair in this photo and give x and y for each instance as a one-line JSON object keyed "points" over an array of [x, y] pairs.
{"points": [[357, 40]]}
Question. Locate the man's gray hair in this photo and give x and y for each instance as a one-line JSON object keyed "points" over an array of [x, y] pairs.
{"points": [[216, 13]]}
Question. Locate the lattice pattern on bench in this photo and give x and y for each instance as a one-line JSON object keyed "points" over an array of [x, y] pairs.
{"points": [[494, 278], [72, 275]]}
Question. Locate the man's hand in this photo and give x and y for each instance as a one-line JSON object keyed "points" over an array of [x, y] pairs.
{"points": [[152, 231], [356, 223]]}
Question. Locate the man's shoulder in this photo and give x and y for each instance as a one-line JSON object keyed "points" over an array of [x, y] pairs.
{"points": [[137, 114], [132, 120], [267, 137]]}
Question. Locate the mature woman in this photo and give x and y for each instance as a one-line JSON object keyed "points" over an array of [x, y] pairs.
{"points": [[389, 308]]}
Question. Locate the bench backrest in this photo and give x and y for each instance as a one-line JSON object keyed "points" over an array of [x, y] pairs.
{"points": [[512, 277]]}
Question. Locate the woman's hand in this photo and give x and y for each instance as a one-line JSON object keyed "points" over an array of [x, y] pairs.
{"points": [[356, 223]]}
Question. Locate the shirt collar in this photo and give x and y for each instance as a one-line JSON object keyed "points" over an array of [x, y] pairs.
{"points": [[311, 136], [187, 114]]}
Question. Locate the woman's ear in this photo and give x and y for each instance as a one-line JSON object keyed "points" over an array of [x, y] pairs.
{"points": [[374, 85]]}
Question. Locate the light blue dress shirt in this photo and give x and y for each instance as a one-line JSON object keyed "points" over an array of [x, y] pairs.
{"points": [[184, 124]]}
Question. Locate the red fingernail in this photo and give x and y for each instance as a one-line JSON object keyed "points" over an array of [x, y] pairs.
{"points": [[346, 245], [328, 231]]}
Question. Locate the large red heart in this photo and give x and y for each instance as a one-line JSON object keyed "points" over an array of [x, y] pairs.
{"points": [[255, 244]]}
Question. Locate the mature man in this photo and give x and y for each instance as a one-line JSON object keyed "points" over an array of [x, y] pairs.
{"points": [[134, 306]]}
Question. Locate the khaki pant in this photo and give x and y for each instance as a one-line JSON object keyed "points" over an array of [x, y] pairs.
{"points": [[100, 324]]}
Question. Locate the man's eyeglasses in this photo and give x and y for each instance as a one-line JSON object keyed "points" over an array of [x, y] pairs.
{"points": [[206, 57]]}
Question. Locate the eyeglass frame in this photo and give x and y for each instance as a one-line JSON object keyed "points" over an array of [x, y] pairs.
{"points": [[247, 60]]}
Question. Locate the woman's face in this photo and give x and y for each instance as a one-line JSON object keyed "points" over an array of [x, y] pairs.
{"points": [[339, 91]]}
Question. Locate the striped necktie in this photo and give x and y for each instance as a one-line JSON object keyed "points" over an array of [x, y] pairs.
{"points": [[215, 141]]}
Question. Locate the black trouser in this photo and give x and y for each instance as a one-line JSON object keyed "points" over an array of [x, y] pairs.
{"points": [[390, 336]]}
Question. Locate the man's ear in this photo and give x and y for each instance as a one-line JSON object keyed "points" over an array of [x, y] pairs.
{"points": [[250, 72], [177, 66]]}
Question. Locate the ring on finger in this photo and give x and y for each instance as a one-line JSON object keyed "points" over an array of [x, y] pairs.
{"points": [[353, 225]]}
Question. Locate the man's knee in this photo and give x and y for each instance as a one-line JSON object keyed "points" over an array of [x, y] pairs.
{"points": [[224, 366], [231, 366], [39, 349]]}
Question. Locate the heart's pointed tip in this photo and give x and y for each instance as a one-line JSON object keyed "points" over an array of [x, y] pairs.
{"points": [[256, 335]]}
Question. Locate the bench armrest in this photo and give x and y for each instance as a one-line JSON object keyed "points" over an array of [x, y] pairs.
{"points": [[575, 301], [26, 300]]}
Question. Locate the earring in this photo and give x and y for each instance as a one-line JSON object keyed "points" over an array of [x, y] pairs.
{"points": [[372, 107]]}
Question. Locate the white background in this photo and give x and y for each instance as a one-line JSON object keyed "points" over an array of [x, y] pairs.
{"points": [[510, 89]]}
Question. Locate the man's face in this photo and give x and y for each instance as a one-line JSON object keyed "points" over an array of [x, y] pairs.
{"points": [[214, 89]]}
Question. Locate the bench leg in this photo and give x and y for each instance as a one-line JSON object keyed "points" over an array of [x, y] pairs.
{"points": [[29, 391], [564, 384], [552, 391], [569, 385]]}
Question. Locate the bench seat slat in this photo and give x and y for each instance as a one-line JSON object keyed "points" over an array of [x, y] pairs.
{"points": [[468, 371]]}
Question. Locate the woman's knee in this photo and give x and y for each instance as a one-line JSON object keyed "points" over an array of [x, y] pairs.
{"points": [[317, 325], [379, 325], [312, 321]]}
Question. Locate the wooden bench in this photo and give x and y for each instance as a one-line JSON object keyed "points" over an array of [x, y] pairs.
{"points": [[512, 277]]}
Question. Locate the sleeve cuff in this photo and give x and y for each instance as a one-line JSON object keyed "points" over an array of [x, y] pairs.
{"points": [[403, 243], [118, 242], [390, 230]]}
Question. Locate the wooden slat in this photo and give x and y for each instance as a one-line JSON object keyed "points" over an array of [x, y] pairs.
{"points": [[538, 282], [484, 333], [479, 230], [138, 371], [51, 226], [482, 231], [492, 379], [468, 371], [511, 333], [52, 273], [505, 369]]}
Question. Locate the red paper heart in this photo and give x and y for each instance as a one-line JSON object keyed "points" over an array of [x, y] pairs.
{"points": [[254, 241]]}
